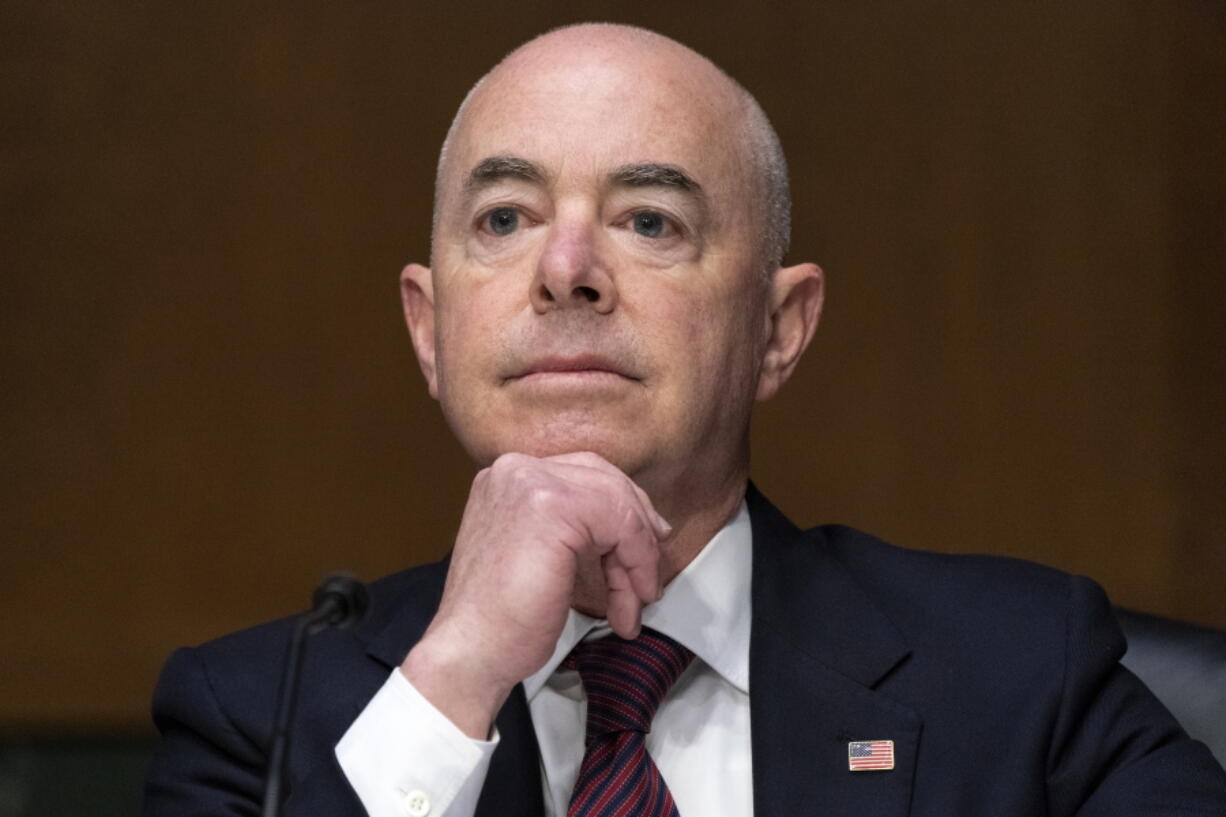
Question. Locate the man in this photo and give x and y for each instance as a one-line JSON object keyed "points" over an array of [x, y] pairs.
{"points": [[605, 303]]}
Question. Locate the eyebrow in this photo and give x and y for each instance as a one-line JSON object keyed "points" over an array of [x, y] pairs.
{"points": [[654, 174], [496, 168], [666, 176]]}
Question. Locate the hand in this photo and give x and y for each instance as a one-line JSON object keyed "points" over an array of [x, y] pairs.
{"points": [[530, 526]]}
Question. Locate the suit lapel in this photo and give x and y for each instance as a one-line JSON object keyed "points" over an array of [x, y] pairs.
{"points": [[513, 784], [818, 648]]}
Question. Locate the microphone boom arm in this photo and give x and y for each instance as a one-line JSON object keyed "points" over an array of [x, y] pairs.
{"points": [[339, 602]]}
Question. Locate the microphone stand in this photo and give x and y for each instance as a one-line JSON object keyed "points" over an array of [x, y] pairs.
{"points": [[339, 602]]}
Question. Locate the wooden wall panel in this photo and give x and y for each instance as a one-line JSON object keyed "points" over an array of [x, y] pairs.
{"points": [[209, 400]]}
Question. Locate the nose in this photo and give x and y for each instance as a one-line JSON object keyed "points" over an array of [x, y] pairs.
{"points": [[570, 273]]}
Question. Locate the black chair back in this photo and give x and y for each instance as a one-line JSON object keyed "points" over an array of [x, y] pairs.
{"points": [[1185, 666]]}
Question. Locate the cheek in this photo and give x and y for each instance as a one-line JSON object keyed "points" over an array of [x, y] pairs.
{"points": [[470, 312], [710, 346], [461, 355]]}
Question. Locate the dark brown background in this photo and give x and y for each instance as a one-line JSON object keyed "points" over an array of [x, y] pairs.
{"points": [[209, 400]]}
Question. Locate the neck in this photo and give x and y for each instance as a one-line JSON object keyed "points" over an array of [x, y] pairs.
{"points": [[694, 527]]}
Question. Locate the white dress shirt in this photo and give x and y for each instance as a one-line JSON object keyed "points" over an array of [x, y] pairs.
{"points": [[406, 759]]}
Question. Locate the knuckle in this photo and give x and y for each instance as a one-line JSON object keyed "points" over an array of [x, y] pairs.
{"points": [[505, 462], [540, 497], [525, 478], [515, 470]]}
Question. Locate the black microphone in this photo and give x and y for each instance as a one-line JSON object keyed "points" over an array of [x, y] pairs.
{"points": [[339, 602]]}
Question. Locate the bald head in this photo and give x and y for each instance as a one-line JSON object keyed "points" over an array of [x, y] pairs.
{"points": [[728, 113]]}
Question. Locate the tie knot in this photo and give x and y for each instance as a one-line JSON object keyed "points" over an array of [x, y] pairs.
{"points": [[625, 680]]}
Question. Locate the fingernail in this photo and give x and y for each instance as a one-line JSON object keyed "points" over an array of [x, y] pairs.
{"points": [[664, 526]]}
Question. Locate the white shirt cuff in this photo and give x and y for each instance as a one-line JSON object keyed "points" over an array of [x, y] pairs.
{"points": [[404, 758]]}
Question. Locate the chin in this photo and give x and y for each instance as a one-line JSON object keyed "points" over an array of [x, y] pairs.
{"points": [[551, 445], [622, 447]]}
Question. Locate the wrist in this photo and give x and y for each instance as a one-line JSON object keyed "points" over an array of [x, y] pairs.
{"points": [[457, 683]]}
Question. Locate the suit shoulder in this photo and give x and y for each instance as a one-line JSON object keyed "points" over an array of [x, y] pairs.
{"points": [[386, 598], [241, 671], [874, 560], [932, 592]]}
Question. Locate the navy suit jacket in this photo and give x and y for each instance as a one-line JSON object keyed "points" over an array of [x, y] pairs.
{"points": [[997, 680]]}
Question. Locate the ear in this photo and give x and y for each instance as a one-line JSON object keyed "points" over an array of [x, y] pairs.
{"points": [[417, 298], [796, 295]]}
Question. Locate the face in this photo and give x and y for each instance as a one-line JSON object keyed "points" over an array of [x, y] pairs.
{"points": [[595, 282]]}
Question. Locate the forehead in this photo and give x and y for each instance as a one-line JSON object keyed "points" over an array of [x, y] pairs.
{"points": [[581, 113]]}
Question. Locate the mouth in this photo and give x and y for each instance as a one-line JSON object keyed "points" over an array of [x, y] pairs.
{"points": [[572, 368]]}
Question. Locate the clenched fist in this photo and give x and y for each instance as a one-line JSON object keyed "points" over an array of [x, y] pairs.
{"points": [[532, 530]]}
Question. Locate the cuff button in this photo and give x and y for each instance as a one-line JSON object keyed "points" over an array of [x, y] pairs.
{"points": [[416, 803]]}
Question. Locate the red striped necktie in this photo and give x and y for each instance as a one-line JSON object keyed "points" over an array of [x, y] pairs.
{"points": [[625, 682]]}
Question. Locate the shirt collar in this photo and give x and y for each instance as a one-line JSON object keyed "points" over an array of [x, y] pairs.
{"points": [[706, 607]]}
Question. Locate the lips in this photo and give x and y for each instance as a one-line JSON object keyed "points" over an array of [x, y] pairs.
{"points": [[572, 365]]}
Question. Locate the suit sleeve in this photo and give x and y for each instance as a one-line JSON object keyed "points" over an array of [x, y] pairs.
{"points": [[209, 765], [204, 764], [1115, 749], [400, 757]]}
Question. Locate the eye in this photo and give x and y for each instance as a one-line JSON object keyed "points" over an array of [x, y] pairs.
{"points": [[649, 223], [503, 220]]}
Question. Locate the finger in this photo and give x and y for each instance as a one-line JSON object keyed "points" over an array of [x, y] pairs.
{"points": [[625, 609], [621, 537], [603, 514], [595, 461], [627, 543], [635, 565], [662, 528], [604, 497]]}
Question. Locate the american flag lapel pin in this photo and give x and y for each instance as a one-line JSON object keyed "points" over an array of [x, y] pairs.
{"points": [[870, 755]]}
